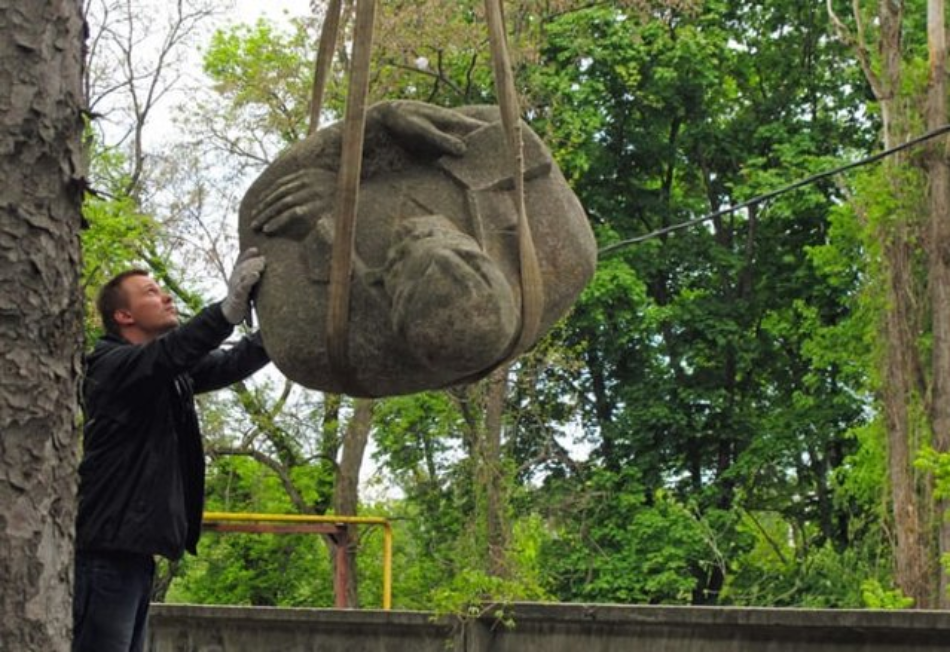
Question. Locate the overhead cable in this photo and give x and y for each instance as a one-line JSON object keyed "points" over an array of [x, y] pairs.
{"points": [[775, 193]]}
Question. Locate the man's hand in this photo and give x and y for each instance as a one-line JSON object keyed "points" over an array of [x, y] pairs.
{"points": [[247, 272]]}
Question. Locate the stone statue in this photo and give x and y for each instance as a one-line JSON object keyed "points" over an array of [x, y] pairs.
{"points": [[436, 294]]}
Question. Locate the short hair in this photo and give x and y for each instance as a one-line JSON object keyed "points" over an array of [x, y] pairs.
{"points": [[112, 297]]}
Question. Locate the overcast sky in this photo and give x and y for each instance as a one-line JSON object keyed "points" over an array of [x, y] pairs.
{"points": [[247, 11]]}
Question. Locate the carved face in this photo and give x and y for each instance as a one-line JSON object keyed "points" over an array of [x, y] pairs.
{"points": [[450, 302]]}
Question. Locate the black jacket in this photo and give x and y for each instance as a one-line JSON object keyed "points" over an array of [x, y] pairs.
{"points": [[141, 480]]}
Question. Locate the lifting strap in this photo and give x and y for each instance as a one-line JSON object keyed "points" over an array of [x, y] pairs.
{"points": [[328, 33], [341, 263], [532, 289]]}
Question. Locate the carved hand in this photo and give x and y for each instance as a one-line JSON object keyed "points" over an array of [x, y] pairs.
{"points": [[416, 125], [300, 197], [297, 201]]}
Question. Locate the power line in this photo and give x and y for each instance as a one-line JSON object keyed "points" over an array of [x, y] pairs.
{"points": [[775, 193]]}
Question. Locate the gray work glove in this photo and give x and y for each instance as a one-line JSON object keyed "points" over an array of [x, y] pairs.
{"points": [[247, 272]]}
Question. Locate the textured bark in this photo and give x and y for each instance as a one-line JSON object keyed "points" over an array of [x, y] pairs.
{"points": [[938, 177], [912, 552], [346, 491], [901, 391], [496, 502], [903, 386], [482, 407], [40, 316]]}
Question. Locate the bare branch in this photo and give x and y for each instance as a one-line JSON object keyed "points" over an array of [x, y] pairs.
{"points": [[765, 535], [858, 43], [439, 76], [282, 400], [282, 472]]}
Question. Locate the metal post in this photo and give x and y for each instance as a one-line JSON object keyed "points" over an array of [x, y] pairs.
{"points": [[334, 526], [340, 540]]}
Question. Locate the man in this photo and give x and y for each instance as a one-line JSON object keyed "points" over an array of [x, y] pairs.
{"points": [[436, 290], [141, 484]]}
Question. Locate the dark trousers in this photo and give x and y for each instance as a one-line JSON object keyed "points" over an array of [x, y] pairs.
{"points": [[110, 603]]}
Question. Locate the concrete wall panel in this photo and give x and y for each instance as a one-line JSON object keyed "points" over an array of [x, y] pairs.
{"points": [[528, 627]]}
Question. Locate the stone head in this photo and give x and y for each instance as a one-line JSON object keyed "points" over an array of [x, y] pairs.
{"points": [[451, 303]]}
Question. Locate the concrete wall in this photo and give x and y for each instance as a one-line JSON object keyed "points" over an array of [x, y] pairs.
{"points": [[547, 628]]}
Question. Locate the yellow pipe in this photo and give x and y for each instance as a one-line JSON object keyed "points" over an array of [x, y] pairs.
{"points": [[313, 518], [294, 518], [387, 566]]}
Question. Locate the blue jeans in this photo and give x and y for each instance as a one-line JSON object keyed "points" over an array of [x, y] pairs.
{"points": [[110, 603]]}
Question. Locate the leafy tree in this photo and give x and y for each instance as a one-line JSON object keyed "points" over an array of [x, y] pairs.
{"points": [[254, 569], [902, 50], [116, 233], [705, 374]]}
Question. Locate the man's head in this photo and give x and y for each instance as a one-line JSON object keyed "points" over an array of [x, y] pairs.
{"points": [[450, 302], [132, 305]]}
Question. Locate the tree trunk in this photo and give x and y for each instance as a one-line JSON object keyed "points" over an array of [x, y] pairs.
{"points": [[901, 393], [346, 491], [490, 464], [938, 176], [903, 387], [482, 406], [912, 551], [40, 316]]}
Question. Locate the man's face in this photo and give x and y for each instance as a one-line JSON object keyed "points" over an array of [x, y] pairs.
{"points": [[149, 308]]}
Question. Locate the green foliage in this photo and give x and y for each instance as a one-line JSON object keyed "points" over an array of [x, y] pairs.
{"points": [[256, 569], [267, 71], [720, 368], [424, 51], [116, 231], [936, 463], [782, 569], [111, 241], [877, 597], [413, 436], [471, 588]]}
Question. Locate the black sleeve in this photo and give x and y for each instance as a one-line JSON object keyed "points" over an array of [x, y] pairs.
{"points": [[167, 356], [223, 367]]}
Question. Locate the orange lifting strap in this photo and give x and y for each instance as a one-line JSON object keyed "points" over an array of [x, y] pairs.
{"points": [[532, 297]]}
